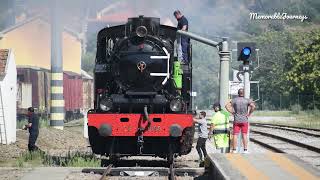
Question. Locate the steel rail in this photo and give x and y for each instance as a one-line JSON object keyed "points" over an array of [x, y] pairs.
{"points": [[296, 143], [295, 129]]}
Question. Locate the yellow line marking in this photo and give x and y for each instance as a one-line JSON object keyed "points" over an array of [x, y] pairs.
{"points": [[57, 103], [56, 116], [245, 167], [290, 166], [57, 76], [57, 89]]}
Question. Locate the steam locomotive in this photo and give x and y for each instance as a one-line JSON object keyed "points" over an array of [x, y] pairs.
{"points": [[142, 102]]}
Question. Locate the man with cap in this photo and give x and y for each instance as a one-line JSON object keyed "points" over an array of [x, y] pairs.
{"points": [[33, 126], [220, 128]]}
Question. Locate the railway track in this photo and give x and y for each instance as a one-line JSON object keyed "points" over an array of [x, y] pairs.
{"points": [[276, 143], [296, 143], [170, 172], [307, 131], [287, 126]]}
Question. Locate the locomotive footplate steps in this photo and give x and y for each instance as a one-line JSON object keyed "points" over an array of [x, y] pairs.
{"points": [[146, 171], [259, 166]]}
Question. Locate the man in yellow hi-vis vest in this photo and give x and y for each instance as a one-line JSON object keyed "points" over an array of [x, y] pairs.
{"points": [[220, 128]]}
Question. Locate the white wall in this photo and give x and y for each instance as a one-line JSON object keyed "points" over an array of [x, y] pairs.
{"points": [[9, 97]]}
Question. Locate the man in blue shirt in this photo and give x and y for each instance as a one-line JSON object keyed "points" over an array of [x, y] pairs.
{"points": [[184, 41], [33, 126]]}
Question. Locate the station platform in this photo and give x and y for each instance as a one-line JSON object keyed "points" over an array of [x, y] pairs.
{"points": [[259, 166]]}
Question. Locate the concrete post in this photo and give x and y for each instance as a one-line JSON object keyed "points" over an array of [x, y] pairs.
{"points": [[224, 72], [57, 100], [246, 80]]}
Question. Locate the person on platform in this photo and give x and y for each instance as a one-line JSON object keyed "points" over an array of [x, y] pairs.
{"points": [[220, 128], [241, 108], [33, 126], [183, 42], [203, 135]]}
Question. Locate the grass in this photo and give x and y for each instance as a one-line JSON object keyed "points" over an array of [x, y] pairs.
{"points": [[38, 158], [30, 159], [43, 122], [307, 119], [273, 113]]}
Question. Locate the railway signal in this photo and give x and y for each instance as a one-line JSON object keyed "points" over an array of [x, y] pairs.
{"points": [[246, 51]]}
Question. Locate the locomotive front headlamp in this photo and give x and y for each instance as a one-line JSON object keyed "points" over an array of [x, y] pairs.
{"points": [[106, 104], [141, 31], [176, 105]]}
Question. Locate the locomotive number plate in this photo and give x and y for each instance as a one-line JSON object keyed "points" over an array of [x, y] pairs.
{"points": [[155, 128]]}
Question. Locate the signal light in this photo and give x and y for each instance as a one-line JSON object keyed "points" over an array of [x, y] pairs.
{"points": [[246, 51]]}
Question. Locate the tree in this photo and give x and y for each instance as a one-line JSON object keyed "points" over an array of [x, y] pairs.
{"points": [[87, 62], [304, 72], [273, 61]]}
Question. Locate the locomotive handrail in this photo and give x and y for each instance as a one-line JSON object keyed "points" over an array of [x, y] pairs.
{"points": [[198, 38]]}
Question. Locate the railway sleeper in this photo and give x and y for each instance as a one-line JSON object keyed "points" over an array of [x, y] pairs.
{"points": [[146, 171]]}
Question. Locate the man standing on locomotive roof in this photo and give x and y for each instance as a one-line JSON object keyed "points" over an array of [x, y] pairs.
{"points": [[241, 108], [33, 126], [183, 41]]}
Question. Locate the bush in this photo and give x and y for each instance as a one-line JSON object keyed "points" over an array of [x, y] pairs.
{"points": [[296, 108], [268, 106]]}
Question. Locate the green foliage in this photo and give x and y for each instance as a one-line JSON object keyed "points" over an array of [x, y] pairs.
{"points": [[79, 160], [296, 108], [273, 62], [304, 72], [30, 159], [43, 122], [87, 62], [38, 158], [205, 63]]}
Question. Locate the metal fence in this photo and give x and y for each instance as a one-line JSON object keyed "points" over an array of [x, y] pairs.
{"points": [[292, 102]]}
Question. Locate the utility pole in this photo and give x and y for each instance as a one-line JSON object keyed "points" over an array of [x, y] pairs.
{"points": [[57, 100]]}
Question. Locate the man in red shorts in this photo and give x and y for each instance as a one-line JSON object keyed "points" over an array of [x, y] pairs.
{"points": [[241, 108]]}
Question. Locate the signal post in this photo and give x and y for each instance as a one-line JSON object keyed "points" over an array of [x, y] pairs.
{"points": [[246, 54]]}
